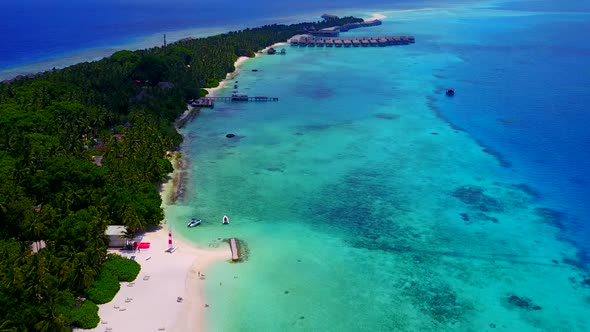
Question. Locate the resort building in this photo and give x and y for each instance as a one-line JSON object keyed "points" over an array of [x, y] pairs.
{"points": [[116, 235]]}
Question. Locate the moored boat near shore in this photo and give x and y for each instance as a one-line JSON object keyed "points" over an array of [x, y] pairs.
{"points": [[193, 223]]}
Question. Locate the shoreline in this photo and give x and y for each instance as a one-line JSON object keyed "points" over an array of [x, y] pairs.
{"points": [[239, 62], [192, 314], [229, 76]]}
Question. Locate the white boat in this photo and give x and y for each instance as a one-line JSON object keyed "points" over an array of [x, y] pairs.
{"points": [[194, 222], [225, 220]]}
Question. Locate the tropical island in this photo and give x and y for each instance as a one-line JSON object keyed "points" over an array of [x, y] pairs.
{"points": [[85, 147]]}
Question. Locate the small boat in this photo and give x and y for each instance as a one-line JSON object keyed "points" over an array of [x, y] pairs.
{"points": [[450, 92], [225, 220], [194, 222]]}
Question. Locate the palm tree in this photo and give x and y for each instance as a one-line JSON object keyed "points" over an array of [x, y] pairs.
{"points": [[5, 327], [52, 318], [34, 228], [131, 220]]}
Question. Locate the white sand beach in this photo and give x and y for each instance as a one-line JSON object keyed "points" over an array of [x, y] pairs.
{"points": [[150, 303], [168, 292], [241, 60], [376, 16], [228, 77]]}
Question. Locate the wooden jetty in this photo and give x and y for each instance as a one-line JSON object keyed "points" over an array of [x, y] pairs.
{"points": [[235, 253], [309, 41], [202, 102], [362, 24], [335, 31], [210, 101]]}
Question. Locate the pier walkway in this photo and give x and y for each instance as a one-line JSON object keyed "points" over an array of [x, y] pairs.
{"points": [[335, 31], [210, 101], [235, 254]]}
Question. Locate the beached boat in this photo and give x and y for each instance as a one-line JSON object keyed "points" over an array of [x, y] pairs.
{"points": [[194, 222], [450, 92], [225, 220]]}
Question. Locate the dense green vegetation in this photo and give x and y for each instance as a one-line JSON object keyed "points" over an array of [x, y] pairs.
{"points": [[106, 285], [123, 268], [86, 315], [120, 110]]}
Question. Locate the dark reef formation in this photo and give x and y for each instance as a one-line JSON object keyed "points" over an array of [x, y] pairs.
{"points": [[475, 197], [387, 116], [440, 302], [522, 303], [550, 216]]}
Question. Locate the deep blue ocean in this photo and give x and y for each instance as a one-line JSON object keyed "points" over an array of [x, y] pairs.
{"points": [[523, 94], [33, 30], [526, 97]]}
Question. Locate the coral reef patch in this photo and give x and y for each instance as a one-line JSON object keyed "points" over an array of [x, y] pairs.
{"points": [[438, 301], [522, 303], [387, 116], [475, 197]]}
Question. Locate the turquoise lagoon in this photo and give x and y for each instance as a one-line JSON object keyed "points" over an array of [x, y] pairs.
{"points": [[369, 201]]}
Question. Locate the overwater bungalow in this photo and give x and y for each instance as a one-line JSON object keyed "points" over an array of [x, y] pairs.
{"points": [[352, 41]]}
